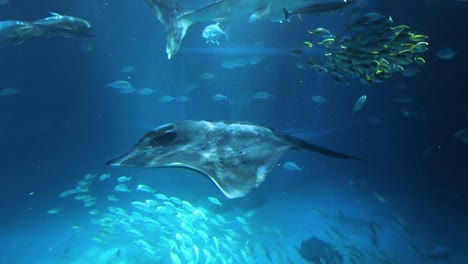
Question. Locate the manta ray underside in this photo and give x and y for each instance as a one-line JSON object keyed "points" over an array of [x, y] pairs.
{"points": [[236, 156]]}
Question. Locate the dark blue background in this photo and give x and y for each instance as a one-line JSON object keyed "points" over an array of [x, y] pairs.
{"points": [[65, 122]]}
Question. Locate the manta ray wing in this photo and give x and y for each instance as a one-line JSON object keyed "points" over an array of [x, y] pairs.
{"points": [[237, 171], [234, 175]]}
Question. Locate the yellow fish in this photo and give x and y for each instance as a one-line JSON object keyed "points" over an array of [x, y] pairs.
{"points": [[418, 38], [327, 41], [419, 60], [308, 44]]}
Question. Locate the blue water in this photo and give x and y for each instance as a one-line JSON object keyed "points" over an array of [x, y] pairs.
{"points": [[406, 204]]}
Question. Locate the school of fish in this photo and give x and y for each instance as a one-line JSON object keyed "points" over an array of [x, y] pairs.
{"points": [[372, 53]]}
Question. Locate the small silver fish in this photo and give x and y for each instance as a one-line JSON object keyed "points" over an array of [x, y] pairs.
{"points": [[319, 99], [120, 85], [144, 188], [207, 76], [122, 188], [69, 192], [241, 220], [145, 91], [93, 212], [112, 198], [212, 33], [380, 198], [161, 196], [166, 99], [182, 99], [262, 95], [359, 103], [214, 201], [104, 177], [122, 179], [54, 210], [219, 97], [291, 166]]}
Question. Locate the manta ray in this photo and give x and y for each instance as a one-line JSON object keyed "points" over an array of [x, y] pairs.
{"points": [[236, 156], [177, 20]]}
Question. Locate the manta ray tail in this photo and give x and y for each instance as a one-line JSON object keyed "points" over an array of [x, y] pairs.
{"points": [[301, 144], [170, 14]]}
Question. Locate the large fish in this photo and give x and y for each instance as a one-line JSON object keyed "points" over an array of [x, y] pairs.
{"points": [[15, 32], [236, 156], [176, 20], [65, 26], [317, 9]]}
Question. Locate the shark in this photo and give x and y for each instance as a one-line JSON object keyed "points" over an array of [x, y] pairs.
{"points": [[236, 156], [319, 8], [66, 26], [177, 20]]}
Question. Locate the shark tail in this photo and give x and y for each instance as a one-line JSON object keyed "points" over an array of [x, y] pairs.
{"points": [[171, 15]]}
